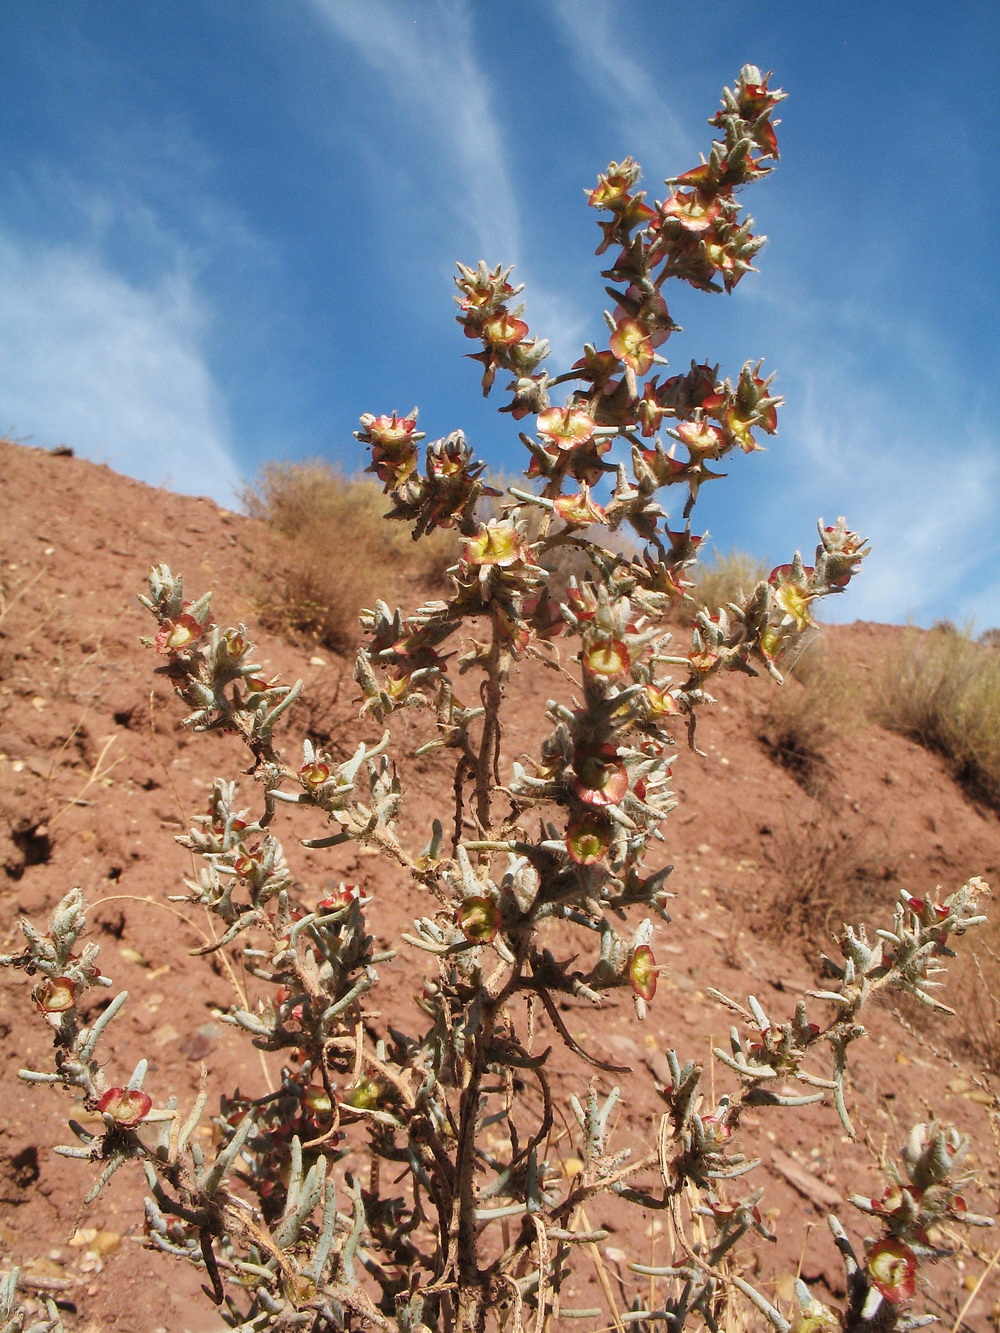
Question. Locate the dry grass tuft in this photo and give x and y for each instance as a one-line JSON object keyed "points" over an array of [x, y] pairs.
{"points": [[975, 995], [726, 578], [803, 718], [942, 690], [828, 874], [334, 552]]}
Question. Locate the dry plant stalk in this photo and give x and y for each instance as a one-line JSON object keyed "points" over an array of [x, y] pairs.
{"points": [[458, 1221]]}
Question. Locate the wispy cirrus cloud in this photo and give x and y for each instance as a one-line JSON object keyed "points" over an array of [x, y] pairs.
{"points": [[651, 129], [112, 368], [108, 321], [929, 505], [870, 430], [932, 520], [426, 61]]}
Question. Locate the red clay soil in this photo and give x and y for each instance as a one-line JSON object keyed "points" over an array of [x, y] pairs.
{"points": [[96, 779]]}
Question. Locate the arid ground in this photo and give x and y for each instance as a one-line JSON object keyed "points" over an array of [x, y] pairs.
{"points": [[97, 778]]}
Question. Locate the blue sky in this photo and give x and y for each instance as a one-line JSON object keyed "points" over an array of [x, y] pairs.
{"points": [[228, 228]]}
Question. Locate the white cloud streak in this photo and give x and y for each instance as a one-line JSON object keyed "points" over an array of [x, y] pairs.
{"points": [[112, 369], [425, 59], [428, 64], [651, 130], [870, 431], [931, 511]]}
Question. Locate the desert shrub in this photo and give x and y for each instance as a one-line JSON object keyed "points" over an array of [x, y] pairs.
{"points": [[334, 553], [942, 690], [401, 1179], [560, 562], [727, 577], [816, 707], [825, 874], [976, 996]]}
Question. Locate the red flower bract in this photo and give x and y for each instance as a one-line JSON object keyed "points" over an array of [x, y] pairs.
{"points": [[695, 211], [390, 432], [500, 330], [317, 1102], [612, 191], [125, 1106], [597, 367], [579, 510], [179, 633], [341, 897], [892, 1267], [56, 995], [363, 1095], [642, 972], [566, 426], [587, 841], [314, 775], [661, 702], [496, 543], [601, 778], [608, 657], [479, 920], [631, 343], [245, 863], [701, 437]]}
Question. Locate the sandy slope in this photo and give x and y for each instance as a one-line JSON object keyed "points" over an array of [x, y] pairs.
{"points": [[96, 778]]}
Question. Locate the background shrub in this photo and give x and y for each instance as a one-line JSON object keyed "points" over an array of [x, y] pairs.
{"points": [[943, 691], [798, 723], [333, 552], [726, 578], [827, 874]]}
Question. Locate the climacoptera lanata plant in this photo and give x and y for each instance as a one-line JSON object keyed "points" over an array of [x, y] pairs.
{"points": [[393, 1180]]}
